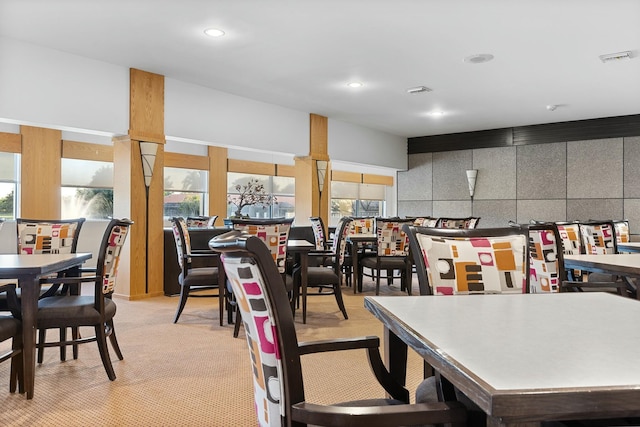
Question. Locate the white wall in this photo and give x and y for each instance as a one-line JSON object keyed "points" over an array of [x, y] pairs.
{"points": [[49, 88]]}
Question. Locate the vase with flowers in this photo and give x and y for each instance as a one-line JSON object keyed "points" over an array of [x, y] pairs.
{"points": [[252, 193]]}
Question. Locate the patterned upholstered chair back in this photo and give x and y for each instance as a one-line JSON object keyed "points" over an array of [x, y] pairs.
{"points": [[570, 235], [183, 242], [339, 244], [113, 240], [623, 234], [274, 232], [48, 236], [426, 221], [253, 279], [470, 222], [363, 226], [599, 237], [392, 240], [546, 259], [201, 221], [317, 225], [490, 260]]}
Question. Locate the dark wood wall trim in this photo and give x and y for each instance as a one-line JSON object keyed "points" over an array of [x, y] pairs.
{"points": [[609, 127]]}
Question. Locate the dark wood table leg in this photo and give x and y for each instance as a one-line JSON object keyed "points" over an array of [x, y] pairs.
{"points": [[30, 290], [395, 355], [354, 266], [304, 268]]}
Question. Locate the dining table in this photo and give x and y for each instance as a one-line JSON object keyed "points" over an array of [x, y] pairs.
{"points": [[625, 265], [357, 242], [522, 358], [27, 270], [300, 249], [629, 247]]}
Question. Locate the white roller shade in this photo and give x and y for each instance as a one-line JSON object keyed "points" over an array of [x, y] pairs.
{"points": [[179, 179]]}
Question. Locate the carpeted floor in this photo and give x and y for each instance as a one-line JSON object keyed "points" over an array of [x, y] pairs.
{"points": [[193, 373]]}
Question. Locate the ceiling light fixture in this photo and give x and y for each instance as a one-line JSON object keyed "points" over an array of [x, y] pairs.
{"points": [[214, 32], [419, 89], [479, 58], [436, 113], [552, 107], [615, 57], [355, 84]]}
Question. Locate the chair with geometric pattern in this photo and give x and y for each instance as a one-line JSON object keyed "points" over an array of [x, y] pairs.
{"points": [[201, 221], [194, 280], [623, 235], [319, 233], [275, 233], [425, 221], [469, 222], [470, 261], [392, 252], [547, 273], [278, 382], [97, 310]]}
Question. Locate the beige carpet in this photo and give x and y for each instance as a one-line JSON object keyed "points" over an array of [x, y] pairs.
{"points": [[193, 373]]}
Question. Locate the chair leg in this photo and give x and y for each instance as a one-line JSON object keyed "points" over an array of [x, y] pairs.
{"points": [[337, 292], [63, 348], [101, 339], [236, 327], [114, 340], [221, 300], [75, 335], [184, 294], [42, 336], [17, 367]]}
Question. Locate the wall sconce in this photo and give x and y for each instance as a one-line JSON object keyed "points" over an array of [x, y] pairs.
{"points": [[472, 176], [321, 167], [148, 151]]}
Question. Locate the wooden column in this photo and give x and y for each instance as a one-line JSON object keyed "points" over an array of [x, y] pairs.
{"points": [[309, 201], [145, 259], [218, 182], [41, 173]]}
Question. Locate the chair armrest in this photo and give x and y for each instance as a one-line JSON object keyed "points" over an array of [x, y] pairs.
{"points": [[372, 345], [12, 299], [378, 416], [338, 344], [68, 280]]}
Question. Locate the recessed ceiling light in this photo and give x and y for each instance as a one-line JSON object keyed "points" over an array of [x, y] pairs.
{"points": [[614, 57], [479, 58], [214, 32], [552, 107], [436, 113], [355, 84]]}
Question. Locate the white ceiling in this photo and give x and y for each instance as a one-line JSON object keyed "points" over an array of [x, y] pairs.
{"points": [[300, 54]]}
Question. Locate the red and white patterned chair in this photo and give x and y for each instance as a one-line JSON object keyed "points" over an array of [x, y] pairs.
{"points": [[278, 383]]}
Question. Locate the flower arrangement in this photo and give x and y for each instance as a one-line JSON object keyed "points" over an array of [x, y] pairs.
{"points": [[252, 193]]}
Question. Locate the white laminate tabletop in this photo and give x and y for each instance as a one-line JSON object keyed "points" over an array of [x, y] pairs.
{"points": [[527, 341]]}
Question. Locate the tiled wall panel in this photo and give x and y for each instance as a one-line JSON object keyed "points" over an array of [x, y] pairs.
{"points": [[541, 210], [632, 167], [449, 176], [585, 209], [451, 208], [415, 208], [494, 213], [542, 171], [496, 173], [416, 183], [594, 169]]}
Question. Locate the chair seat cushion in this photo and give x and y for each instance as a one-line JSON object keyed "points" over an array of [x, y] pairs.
{"points": [[9, 327], [202, 276], [321, 276], [385, 262], [56, 312]]}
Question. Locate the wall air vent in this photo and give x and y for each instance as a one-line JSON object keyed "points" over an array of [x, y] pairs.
{"points": [[615, 57], [419, 89]]}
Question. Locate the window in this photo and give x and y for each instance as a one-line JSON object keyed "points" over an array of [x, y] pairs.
{"points": [[185, 192], [87, 189], [9, 166], [355, 199], [280, 188]]}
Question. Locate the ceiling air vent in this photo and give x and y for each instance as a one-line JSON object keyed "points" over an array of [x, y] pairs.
{"points": [[419, 89], [614, 57]]}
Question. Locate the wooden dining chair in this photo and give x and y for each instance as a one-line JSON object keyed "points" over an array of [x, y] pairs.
{"points": [[392, 253], [276, 354], [11, 329], [201, 221], [468, 222], [470, 261], [196, 281], [96, 310], [275, 233], [326, 279]]}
